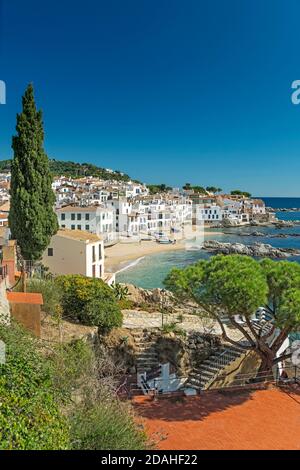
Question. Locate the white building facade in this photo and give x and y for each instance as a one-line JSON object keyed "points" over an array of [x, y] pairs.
{"points": [[94, 219], [75, 252]]}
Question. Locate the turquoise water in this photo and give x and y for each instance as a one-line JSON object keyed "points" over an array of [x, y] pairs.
{"points": [[151, 270]]}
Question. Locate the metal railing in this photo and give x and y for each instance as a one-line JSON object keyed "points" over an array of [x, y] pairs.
{"points": [[260, 378], [241, 382]]}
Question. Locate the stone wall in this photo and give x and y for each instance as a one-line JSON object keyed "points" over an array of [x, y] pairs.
{"points": [[181, 350]]}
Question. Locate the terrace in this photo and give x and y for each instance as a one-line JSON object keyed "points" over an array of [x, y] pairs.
{"points": [[228, 420]]}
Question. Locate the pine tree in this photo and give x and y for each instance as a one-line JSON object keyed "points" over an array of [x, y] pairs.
{"points": [[32, 219]]}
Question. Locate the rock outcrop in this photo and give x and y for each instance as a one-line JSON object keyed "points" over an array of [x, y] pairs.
{"points": [[154, 300], [259, 250]]}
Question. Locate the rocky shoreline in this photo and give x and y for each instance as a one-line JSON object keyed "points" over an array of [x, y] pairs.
{"points": [[283, 209], [259, 250], [264, 235]]}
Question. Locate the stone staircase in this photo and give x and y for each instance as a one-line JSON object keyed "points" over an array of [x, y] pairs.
{"points": [[147, 358], [202, 376], [263, 327]]}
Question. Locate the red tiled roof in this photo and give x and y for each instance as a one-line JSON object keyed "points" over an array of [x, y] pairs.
{"points": [[25, 298]]}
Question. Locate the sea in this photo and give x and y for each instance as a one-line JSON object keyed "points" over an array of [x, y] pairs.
{"points": [[150, 271]]}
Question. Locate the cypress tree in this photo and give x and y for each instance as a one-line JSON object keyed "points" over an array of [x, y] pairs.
{"points": [[32, 219]]}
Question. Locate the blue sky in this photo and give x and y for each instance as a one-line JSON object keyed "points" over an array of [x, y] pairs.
{"points": [[166, 90]]}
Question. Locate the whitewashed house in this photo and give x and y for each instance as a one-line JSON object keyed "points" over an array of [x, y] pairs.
{"points": [[75, 252], [208, 213], [121, 208], [94, 219]]}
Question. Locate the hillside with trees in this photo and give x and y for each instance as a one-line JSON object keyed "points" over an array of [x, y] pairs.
{"points": [[75, 170]]}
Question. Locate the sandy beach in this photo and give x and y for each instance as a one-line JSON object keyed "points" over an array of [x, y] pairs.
{"points": [[119, 256]]}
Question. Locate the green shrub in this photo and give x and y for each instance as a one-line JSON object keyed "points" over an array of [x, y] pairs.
{"points": [[70, 364], [126, 304], [121, 292], [89, 301], [50, 291], [173, 328], [107, 425], [29, 410]]}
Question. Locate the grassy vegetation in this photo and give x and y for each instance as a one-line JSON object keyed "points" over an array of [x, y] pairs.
{"points": [[173, 328], [30, 417], [62, 397]]}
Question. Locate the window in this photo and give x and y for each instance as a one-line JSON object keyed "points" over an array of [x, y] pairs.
{"points": [[94, 254], [100, 251], [72, 227], [63, 226], [50, 251], [63, 216], [78, 227], [87, 216], [87, 227], [72, 216], [78, 216], [94, 269]]}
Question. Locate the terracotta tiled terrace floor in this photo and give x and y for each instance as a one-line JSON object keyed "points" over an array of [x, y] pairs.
{"points": [[260, 419]]}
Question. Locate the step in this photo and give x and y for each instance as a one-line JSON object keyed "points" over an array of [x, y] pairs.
{"points": [[234, 348], [147, 354], [145, 344], [227, 355], [151, 364], [201, 380], [146, 348], [233, 352], [195, 386], [145, 368], [203, 375], [211, 368], [218, 364]]}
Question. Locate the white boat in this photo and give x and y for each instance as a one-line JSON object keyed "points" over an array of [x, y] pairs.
{"points": [[164, 240], [193, 247]]}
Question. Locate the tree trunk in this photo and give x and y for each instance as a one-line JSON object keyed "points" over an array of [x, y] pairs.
{"points": [[266, 368]]}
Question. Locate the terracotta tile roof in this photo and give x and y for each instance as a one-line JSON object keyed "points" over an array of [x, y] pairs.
{"points": [[80, 235], [25, 298], [77, 209]]}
